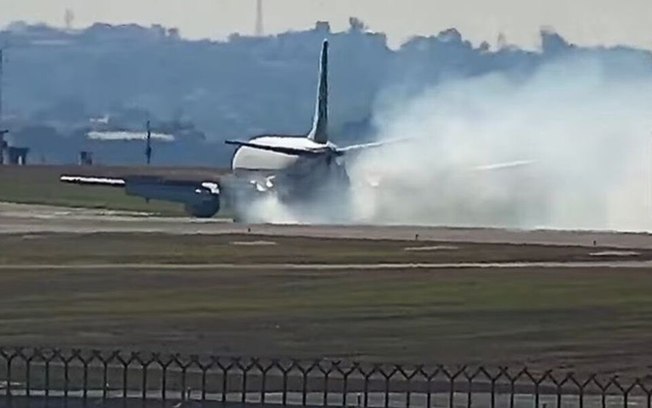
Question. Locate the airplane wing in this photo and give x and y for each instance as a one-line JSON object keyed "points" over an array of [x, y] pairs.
{"points": [[278, 149], [200, 197]]}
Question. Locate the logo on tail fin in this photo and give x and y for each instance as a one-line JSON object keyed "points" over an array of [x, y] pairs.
{"points": [[319, 132]]}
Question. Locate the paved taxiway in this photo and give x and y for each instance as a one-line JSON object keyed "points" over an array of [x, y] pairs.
{"points": [[21, 218]]}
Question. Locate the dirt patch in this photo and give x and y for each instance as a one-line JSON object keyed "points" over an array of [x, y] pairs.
{"points": [[253, 243], [615, 253], [431, 248]]}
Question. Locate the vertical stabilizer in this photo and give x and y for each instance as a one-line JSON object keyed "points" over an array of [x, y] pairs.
{"points": [[319, 132]]}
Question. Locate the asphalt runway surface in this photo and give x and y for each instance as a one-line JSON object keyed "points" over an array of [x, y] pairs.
{"points": [[23, 218]]}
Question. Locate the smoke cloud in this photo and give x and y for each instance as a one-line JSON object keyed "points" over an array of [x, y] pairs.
{"points": [[565, 146], [582, 123]]}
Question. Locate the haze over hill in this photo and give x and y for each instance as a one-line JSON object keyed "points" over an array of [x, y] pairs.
{"points": [[584, 22], [203, 92]]}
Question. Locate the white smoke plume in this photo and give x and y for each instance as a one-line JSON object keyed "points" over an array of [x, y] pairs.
{"points": [[585, 128]]}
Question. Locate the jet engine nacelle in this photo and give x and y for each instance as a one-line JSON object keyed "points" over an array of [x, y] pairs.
{"points": [[203, 209]]}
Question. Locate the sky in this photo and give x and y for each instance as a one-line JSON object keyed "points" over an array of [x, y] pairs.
{"points": [[585, 22]]}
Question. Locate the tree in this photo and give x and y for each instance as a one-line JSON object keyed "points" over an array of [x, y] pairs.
{"points": [[356, 25]]}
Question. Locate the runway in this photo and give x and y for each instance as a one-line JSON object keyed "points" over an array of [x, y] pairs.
{"points": [[28, 219], [334, 267]]}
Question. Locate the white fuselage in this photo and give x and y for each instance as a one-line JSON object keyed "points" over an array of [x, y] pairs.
{"points": [[248, 159]]}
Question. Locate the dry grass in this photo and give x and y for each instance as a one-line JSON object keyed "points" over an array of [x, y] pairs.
{"points": [[591, 319]]}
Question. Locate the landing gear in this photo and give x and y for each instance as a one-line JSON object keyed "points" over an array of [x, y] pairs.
{"points": [[322, 198], [319, 194], [239, 195]]}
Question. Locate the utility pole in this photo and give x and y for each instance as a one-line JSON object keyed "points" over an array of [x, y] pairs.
{"points": [[148, 149], [1, 80], [3, 131]]}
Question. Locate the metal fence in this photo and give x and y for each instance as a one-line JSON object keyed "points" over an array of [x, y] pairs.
{"points": [[115, 378]]}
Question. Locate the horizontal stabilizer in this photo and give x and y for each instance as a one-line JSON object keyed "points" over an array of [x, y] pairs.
{"points": [[371, 145], [506, 165], [278, 149]]}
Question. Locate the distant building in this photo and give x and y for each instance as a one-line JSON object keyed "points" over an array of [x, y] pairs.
{"points": [[323, 27], [102, 120], [85, 158], [16, 155]]}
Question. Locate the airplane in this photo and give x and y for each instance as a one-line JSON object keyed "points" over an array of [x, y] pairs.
{"points": [[298, 170]]}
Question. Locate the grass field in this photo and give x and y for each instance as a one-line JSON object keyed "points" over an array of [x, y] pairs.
{"points": [[40, 185], [589, 319]]}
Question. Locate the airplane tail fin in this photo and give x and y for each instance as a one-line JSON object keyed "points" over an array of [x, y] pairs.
{"points": [[319, 132]]}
